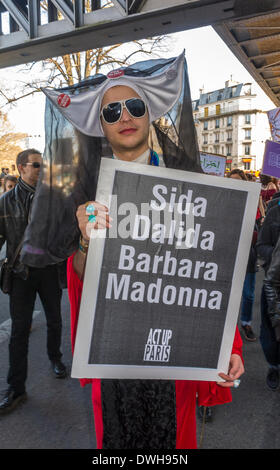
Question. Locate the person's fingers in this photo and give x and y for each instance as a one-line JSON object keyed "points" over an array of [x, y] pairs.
{"points": [[98, 224], [228, 381], [97, 206], [81, 211], [236, 369], [101, 218]]}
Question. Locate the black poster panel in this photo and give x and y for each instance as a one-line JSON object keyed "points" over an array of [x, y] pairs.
{"points": [[162, 287], [156, 303]]}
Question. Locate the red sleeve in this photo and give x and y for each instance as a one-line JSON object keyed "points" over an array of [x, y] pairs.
{"points": [[75, 287], [237, 344], [210, 393]]}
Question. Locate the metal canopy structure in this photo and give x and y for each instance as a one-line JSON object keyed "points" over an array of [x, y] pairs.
{"points": [[32, 30], [256, 43]]}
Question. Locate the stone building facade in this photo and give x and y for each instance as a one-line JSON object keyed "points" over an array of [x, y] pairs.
{"points": [[233, 122]]}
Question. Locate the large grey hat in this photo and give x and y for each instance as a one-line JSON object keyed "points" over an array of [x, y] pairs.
{"points": [[74, 148], [159, 91]]}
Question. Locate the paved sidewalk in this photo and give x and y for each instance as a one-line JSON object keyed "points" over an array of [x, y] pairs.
{"points": [[252, 420], [58, 413]]}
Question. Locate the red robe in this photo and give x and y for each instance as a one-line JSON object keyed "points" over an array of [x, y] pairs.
{"points": [[187, 392]]}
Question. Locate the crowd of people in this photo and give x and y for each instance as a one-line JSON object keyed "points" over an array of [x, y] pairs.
{"points": [[265, 236], [46, 282]]}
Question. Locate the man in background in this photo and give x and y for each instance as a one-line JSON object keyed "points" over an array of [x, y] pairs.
{"points": [[15, 207]]}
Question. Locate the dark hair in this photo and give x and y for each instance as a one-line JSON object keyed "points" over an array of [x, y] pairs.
{"points": [[22, 157], [239, 172], [265, 179], [9, 178], [249, 177]]}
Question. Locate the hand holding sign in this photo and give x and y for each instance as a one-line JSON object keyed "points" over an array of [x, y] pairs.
{"points": [[236, 369], [102, 218]]}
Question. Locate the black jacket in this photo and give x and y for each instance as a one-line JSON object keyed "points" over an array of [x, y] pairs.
{"points": [[14, 211], [268, 235], [272, 290], [273, 202]]}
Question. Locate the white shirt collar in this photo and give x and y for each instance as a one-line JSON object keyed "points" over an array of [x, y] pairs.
{"points": [[144, 158]]}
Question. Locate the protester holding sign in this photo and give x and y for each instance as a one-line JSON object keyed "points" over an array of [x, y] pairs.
{"points": [[272, 319], [139, 413], [248, 293], [153, 413], [266, 245]]}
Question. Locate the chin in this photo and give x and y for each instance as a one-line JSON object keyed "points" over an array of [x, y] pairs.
{"points": [[131, 143]]}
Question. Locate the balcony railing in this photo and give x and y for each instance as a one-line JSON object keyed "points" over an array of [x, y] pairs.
{"points": [[213, 112]]}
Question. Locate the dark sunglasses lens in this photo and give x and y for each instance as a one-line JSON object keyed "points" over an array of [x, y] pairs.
{"points": [[136, 107], [112, 112], [36, 164]]}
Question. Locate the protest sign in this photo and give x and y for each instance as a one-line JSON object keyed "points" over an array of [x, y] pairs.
{"points": [[162, 288], [213, 164], [274, 122], [271, 159]]}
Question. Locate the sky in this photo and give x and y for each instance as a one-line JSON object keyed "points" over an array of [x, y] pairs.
{"points": [[210, 64]]}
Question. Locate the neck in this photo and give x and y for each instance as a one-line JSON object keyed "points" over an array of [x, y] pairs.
{"points": [[130, 155], [28, 182]]}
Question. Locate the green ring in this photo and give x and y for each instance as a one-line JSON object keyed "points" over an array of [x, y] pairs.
{"points": [[92, 218]]}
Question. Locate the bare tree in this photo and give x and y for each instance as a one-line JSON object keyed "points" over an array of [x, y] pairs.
{"points": [[10, 142]]}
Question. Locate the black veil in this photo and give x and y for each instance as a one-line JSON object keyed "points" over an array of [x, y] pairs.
{"points": [[71, 166]]}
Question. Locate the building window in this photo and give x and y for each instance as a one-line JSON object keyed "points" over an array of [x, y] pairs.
{"points": [[205, 139], [218, 109], [229, 135], [247, 165], [216, 149], [217, 137], [248, 104], [228, 149], [205, 112], [247, 118], [247, 149], [230, 106], [217, 123], [247, 89], [205, 125], [247, 133], [229, 121]]}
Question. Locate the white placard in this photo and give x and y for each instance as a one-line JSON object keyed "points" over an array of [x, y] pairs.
{"points": [[160, 303]]}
